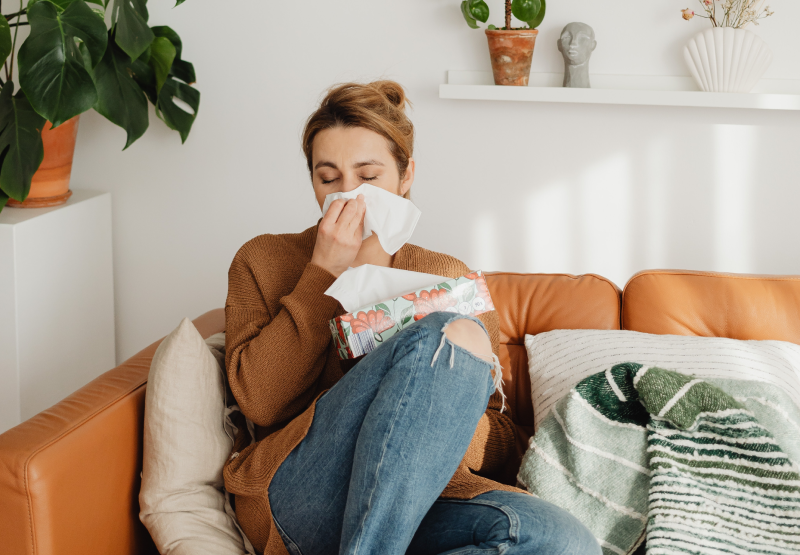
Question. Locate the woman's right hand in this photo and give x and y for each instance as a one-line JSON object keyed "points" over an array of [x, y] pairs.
{"points": [[339, 235]]}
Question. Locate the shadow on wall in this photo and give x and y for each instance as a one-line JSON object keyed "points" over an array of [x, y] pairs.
{"points": [[632, 210]]}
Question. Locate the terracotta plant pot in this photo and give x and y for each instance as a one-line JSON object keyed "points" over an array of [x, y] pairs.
{"points": [[511, 53], [50, 183]]}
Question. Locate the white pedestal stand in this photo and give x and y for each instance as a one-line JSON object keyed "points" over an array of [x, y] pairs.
{"points": [[56, 303]]}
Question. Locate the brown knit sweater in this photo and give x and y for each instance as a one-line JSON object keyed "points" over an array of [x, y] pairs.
{"points": [[280, 359]]}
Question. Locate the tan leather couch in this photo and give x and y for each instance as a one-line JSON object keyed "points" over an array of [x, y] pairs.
{"points": [[69, 477]]}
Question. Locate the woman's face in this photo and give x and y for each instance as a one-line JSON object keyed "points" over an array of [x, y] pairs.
{"points": [[344, 158]]}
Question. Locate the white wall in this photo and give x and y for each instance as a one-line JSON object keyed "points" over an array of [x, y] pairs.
{"points": [[505, 186]]}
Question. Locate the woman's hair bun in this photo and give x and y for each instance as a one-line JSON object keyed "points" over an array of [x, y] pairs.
{"points": [[392, 91]]}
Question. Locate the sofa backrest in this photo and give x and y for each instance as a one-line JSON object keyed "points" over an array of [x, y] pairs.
{"points": [[69, 477], [709, 304], [536, 303]]}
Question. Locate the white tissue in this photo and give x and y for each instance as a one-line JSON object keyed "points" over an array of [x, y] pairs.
{"points": [[392, 218], [368, 285]]}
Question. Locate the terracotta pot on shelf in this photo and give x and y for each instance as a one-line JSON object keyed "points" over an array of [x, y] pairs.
{"points": [[511, 53], [50, 183]]}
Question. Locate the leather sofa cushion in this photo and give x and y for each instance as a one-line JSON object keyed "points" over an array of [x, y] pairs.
{"points": [[536, 303], [713, 305]]}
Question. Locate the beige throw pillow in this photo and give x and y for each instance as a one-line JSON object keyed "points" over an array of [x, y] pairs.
{"points": [[182, 500]]}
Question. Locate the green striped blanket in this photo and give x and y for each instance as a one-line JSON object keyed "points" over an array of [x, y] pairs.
{"points": [[694, 466]]}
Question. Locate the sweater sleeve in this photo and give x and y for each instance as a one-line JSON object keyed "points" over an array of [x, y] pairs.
{"points": [[274, 360]]}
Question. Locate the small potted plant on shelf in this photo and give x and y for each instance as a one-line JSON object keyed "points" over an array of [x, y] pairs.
{"points": [[727, 57], [511, 49], [72, 61]]}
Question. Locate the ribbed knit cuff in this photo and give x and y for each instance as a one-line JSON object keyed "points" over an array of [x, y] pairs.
{"points": [[310, 293], [319, 274]]}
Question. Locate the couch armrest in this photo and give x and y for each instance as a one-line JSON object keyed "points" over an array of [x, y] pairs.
{"points": [[69, 476]]}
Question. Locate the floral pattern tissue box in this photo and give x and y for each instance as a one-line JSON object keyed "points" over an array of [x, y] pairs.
{"points": [[362, 331]]}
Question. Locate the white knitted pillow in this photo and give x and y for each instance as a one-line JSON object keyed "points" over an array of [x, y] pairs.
{"points": [[558, 360]]}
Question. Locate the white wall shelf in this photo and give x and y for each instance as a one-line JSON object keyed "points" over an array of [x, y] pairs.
{"points": [[642, 90]]}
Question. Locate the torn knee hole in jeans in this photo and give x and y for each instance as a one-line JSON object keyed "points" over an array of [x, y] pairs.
{"points": [[497, 370]]}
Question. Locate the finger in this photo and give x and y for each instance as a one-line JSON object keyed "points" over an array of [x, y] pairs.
{"points": [[358, 230], [349, 213], [334, 210], [357, 223]]}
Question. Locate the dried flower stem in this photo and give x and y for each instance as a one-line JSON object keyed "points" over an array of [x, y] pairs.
{"points": [[733, 13]]}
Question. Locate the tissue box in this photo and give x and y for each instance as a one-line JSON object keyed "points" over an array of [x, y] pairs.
{"points": [[362, 331]]}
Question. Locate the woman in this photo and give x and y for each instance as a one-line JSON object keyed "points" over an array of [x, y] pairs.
{"points": [[392, 454]]}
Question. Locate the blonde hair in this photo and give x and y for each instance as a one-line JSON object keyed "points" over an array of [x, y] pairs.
{"points": [[378, 106]]}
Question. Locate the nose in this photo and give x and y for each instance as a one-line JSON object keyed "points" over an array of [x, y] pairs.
{"points": [[350, 182]]}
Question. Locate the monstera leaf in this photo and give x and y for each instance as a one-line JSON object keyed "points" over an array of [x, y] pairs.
{"points": [[97, 6], [5, 41], [51, 66], [173, 37], [119, 97], [21, 149], [145, 77], [162, 54], [60, 4], [178, 115], [129, 21], [176, 102], [181, 69], [71, 62]]}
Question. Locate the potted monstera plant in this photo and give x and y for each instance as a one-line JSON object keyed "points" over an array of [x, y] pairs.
{"points": [[511, 49], [71, 61]]}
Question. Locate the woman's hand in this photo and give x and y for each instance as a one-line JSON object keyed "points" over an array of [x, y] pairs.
{"points": [[339, 235]]}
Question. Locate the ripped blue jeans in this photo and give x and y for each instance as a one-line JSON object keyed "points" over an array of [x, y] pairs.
{"points": [[384, 443]]}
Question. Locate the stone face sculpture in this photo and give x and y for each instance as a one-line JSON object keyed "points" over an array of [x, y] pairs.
{"points": [[576, 44]]}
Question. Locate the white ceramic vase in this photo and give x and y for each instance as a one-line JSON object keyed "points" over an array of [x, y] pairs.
{"points": [[723, 59]]}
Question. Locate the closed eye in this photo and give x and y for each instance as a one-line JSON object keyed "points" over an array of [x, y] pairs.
{"points": [[370, 178]]}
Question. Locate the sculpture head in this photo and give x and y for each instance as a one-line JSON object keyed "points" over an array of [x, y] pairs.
{"points": [[577, 43]]}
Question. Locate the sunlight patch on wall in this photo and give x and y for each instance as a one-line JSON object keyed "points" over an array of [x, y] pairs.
{"points": [[604, 219], [656, 213], [549, 222], [734, 152], [486, 243]]}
